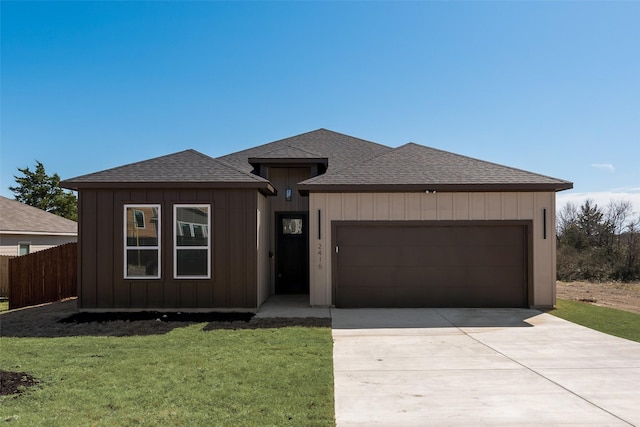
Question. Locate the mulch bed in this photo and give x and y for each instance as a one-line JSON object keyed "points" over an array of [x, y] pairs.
{"points": [[84, 317], [15, 382], [63, 319], [215, 320]]}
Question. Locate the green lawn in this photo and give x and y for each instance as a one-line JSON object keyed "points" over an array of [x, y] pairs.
{"points": [[190, 377], [608, 320]]}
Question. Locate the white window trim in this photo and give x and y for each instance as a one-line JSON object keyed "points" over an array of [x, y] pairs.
{"points": [[178, 231], [127, 247]]}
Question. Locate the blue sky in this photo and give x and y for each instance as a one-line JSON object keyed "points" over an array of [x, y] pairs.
{"points": [[550, 87]]}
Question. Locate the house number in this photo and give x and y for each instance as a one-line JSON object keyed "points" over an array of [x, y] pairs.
{"points": [[319, 256]]}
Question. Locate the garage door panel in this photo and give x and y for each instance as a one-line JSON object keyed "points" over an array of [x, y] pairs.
{"points": [[443, 297], [438, 235], [401, 256], [413, 277], [424, 276], [395, 265], [372, 236], [406, 256]]}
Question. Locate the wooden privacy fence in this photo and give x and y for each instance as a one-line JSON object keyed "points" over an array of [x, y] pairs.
{"points": [[4, 275], [44, 276]]}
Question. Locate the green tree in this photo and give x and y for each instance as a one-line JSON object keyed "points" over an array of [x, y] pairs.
{"points": [[593, 228], [36, 188], [596, 244]]}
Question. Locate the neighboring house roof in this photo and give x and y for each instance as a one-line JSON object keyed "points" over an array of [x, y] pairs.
{"points": [[340, 150], [19, 218], [187, 167], [415, 167]]}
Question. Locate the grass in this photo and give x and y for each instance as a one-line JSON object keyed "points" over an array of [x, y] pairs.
{"points": [[4, 306], [251, 377], [620, 323]]}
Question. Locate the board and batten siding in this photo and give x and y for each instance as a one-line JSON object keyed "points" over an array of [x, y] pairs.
{"points": [[264, 263], [234, 268], [438, 206]]}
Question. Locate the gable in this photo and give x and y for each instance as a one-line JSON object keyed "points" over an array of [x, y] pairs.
{"points": [[339, 150]]}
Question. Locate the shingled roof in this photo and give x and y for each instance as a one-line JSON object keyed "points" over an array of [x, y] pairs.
{"points": [[340, 150], [352, 164], [187, 167], [414, 167], [19, 218]]}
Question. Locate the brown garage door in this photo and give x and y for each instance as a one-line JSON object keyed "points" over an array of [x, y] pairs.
{"points": [[428, 264]]}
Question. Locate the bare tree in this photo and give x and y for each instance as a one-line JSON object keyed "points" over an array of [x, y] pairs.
{"points": [[566, 217], [616, 218]]}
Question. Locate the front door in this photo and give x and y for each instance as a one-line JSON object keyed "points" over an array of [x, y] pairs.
{"points": [[292, 253]]}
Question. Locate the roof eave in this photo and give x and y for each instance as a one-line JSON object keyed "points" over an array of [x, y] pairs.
{"points": [[288, 160], [39, 233], [263, 187], [305, 189]]}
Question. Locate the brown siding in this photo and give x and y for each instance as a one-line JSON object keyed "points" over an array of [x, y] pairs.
{"points": [[233, 270], [283, 178], [264, 273]]}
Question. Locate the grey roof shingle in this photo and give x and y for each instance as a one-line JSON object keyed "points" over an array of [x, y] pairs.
{"points": [[187, 166], [353, 164], [340, 150], [16, 217], [417, 166]]}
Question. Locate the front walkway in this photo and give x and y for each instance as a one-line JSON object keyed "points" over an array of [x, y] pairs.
{"points": [[291, 306]]}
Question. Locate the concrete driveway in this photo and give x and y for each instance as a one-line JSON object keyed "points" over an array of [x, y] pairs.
{"points": [[506, 367]]}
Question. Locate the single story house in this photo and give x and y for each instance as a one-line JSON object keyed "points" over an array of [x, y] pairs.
{"points": [[25, 229], [348, 222]]}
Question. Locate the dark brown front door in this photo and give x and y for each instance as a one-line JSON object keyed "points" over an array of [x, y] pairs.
{"points": [[398, 264], [292, 253]]}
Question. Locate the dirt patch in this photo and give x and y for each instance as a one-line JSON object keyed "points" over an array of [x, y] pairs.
{"points": [[623, 296], [15, 382]]}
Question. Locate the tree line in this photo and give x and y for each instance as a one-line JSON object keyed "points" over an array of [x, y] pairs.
{"points": [[598, 244]]}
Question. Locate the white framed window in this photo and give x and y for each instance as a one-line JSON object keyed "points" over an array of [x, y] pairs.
{"points": [[24, 248], [142, 241], [191, 241]]}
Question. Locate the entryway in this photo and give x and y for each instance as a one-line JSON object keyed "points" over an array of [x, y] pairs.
{"points": [[292, 253]]}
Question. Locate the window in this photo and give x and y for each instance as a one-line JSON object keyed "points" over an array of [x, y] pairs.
{"points": [[192, 245], [141, 243], [291, 225], [24, 248]]}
